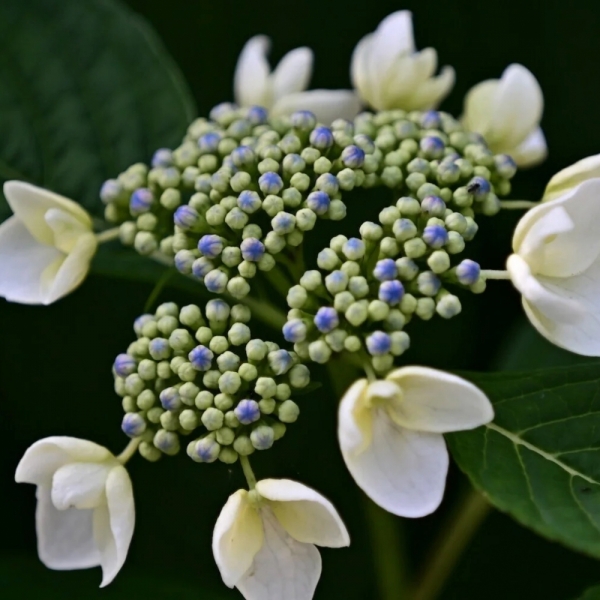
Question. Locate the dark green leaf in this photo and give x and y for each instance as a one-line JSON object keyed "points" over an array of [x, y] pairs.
{"points": [[86, 89], [540, 458], [591, 594]]}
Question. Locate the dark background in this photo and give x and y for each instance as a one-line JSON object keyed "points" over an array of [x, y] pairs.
{"points": [[55, 362]]}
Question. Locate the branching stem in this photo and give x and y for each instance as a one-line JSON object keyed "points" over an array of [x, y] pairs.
{"points": [[248, 472], [492, 274], [108, 235], [129, 451]]}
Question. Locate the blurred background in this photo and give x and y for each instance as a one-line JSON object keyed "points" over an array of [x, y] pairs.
{"points": [[55, 362]]}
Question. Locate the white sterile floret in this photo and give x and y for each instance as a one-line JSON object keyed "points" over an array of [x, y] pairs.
{"points": [[556, 267], [282, 91], [45, 247], [388, 72], [264, 540], [390, 433], [85, 513], [507, 113], [572, 176]]}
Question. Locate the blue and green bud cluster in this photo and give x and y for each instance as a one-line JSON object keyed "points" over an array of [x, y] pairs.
{"points": [[200, 374]]}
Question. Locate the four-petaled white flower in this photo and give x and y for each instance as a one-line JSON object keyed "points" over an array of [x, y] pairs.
{"points": [[390, 433], [283, 91], [389, 73], [85, 513], [507, 113], [556, 267], [264, 540], [45, 247], [572, 176]]}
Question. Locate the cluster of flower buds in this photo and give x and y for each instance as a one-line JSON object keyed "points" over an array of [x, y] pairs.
{"points": [[202, 375]]}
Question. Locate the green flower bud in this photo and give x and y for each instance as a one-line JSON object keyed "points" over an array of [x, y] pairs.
{"points": [[169, 421], [358, 287], [265, 387], [268, 165], [292, 197], [167, 442], [238, 287], [389, 215], [145, 243], [400, 342], [191, 316], [267, 406], [404, 229], [134, 384], [310, 155], [448, 306], [408, 207], [262, 437], [299, 376], [342, 301], [147, 369], [352, 343], [296, 296], [383, 363], [256, 350], [347, 179], [455, 243], [239, 334], [188, 419], [357, 313], [224, 401], [154, 414], [228, 456], [392, 176], [240, 181], [176, 362], [274, 243], [247, 269], [140, 347], [322, 165], [129, 404], [335, 339], [311, 280], [215, 215], [243, 446], [272, 205], [456, 222], [149, 452], [248, 372], [328, 259], [337, 210], [388, 248], [204, 400], [200, 202], [425, 308], [407, 269], [319, 351], [295, 238], [146, 222], [127, 232], [228, 361], [266, 263], [479, 286], [288, 411], [350, 268], [415, 248], [231, 419], [225, 436], [211, 379], [187, 372], [188, 392], [167, 324], [395, 321], [378, 310], [212, 419], [305, 219], [278, 430], [439, 261], [218, 344], [204, 450], [181, 340], [240, 313], [230, 382], [371, 232], [283, 391], [204, 335], [145, 400]]}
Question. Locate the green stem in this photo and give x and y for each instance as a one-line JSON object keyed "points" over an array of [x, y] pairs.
{"points": [[454, 538], [248, 472], [517, 204], [129, 450], [158, 288], [278, 281], [492, 274], [387, 548], [108, 235]]}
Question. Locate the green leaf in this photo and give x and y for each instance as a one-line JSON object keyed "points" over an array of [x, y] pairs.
{"points": [[591, 594], [86, 89], [540, 459]]}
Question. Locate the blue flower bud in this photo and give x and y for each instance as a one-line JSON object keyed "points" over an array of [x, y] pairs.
{"points": [[141, 201], [295, 331], [186, 217], [247, 411], [432, 146], [378, 343], [210, 245], [202, 266], [257, 115], [385, 270], [336, 282], [283, 223], [139, 323], [163, 157], [249, 201], [435, 236], [184, 260], [479, 187], [391, 292], [294, 163], [364, 142], [433, 206], [133, 424], [353, 157], [216, 281], [252, 249], [280, 361], [167, 441], [209, 142], [328, 183], [428, 283], [207, 450], [354, 249], [303, 120], [217, 310], [318, 202], [270, 183], [125, 365], [321, 138], [262, 437], [201, 358], [159, 349], [505, 165], [242, 156], [431, 120], [326, 319], [170, 399], [467, 272], [110, 191]]}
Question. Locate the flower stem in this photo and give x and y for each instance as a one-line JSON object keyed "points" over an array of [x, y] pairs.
{"points": [[451, 543], [158, 288], [517, 204], [248, 472], [108, 235], [492, 274], [387, 547], [129, 450]]}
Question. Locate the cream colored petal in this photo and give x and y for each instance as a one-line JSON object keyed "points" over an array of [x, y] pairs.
{"points": [[306, 515], [80, 485], [354, 419], [393, 38], [283, 568], [72, 271], [396, 89], [45, 456], [292, 74], [402, 471], [30, 204], [23, 262], [518, 106], [66, 228], [431, 92], [327, 105], [65, 539], [532, 151], [478, 107], [438, 402], [251, 80], [359, 69], [569, 178], [237, 538], [115, 523]]}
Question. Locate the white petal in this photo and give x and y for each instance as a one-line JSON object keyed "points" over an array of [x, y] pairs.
{"points": [[359, 70], [393, 38], [72, 271], [65, 539], [567, 179], [532, 151], [518, 107], [399, 85], [237, 537], [66, 228], [283, 568], [354, 418], [438, 402], [402, 471], [431, 92], [30, 204], [251, 80], [293, 72], [23, 263], [80, 485], [45, 456], [327, 105], [479, 106], [306, 515], [114, 524]]}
